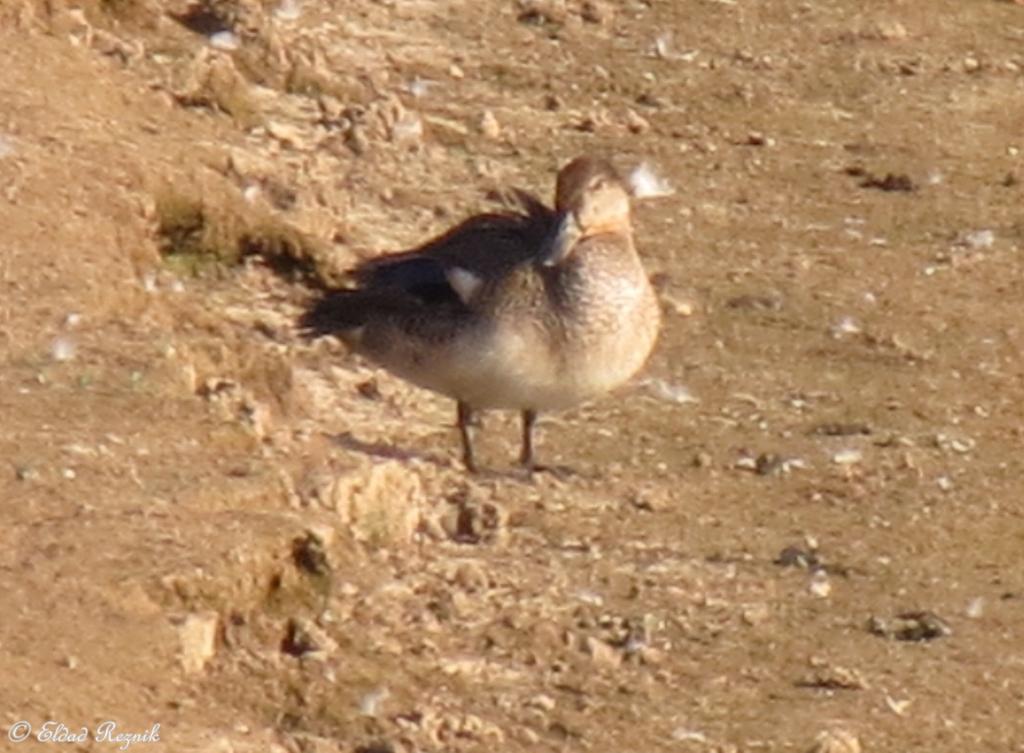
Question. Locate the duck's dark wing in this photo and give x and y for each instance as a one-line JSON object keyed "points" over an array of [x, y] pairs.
{"points": [[485, 244], [411, 282]]}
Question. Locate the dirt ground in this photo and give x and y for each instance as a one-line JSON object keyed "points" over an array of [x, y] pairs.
{"points": [[801, 529]]}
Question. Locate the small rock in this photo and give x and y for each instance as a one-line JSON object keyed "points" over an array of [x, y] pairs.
{"points": [[310, 550], [380, 502], [910, 626], [63, 349], [680, 307], [702, 460], [756, 138], [830, 677], [224, 40], [845, 326], [489, 126], [835, 741], [755, 614], [636, 123], [419, 87], [603, 654], [771, 464], [975, 608], [596, 12], [288, 10], [197, 637], [840, 429], [356, 140], [820, 586], [890, 30], [26, 473], [978, 239], [369, 703], [847, 456], [899, 708], [891, 182], [303, 637], [541, 701], [795, 556], [288, 135], [471, 577]]}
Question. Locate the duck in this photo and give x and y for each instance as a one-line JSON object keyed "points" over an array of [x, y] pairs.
{"points": [[530, 309]]}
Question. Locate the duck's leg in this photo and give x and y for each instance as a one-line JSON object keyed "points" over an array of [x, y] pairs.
{"points": [[465, 421], [526, 456]]}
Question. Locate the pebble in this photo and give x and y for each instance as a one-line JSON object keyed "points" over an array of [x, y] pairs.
{"points": [[757, 138], [596, 12], [419, 87], [63, 349], [899, 708], [979, 239], [636, 123], [975, 608], [541, 701], [795, 556], [820, 586], [225, 40], [681, 307], [845, 326], [835, 741], [26, 473], [368, 703], [489, 126], [603, 653], [305, 638], [828, 676], [6, 146], [407, 129], [848, 456], [288, 10], [310, 551], [197, 638], [910, 626], [702, 460]]}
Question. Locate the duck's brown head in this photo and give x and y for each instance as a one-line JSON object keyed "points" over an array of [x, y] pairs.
{"points": [[590, 199]]}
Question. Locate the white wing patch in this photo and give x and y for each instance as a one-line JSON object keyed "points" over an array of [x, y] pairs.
{"points": [[463, 282]]}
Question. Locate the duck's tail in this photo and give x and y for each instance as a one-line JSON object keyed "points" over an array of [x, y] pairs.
{"points": [[338, 313]]}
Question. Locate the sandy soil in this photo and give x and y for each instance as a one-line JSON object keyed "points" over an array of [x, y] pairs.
{"points": [[801, 529]]}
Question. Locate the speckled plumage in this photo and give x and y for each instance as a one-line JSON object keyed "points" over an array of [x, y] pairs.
{"points": [[530, 310]]}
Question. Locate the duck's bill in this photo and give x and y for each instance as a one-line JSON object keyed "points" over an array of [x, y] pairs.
{"points": [[560, 244]]}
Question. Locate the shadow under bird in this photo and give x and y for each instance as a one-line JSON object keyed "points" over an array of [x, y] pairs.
{"points": [[530, 309]]}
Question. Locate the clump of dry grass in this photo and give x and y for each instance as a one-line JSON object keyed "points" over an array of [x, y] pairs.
{"points": [[207, 234]]}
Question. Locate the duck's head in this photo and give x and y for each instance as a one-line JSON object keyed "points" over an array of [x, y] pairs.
{"points": [[590, 199]]}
